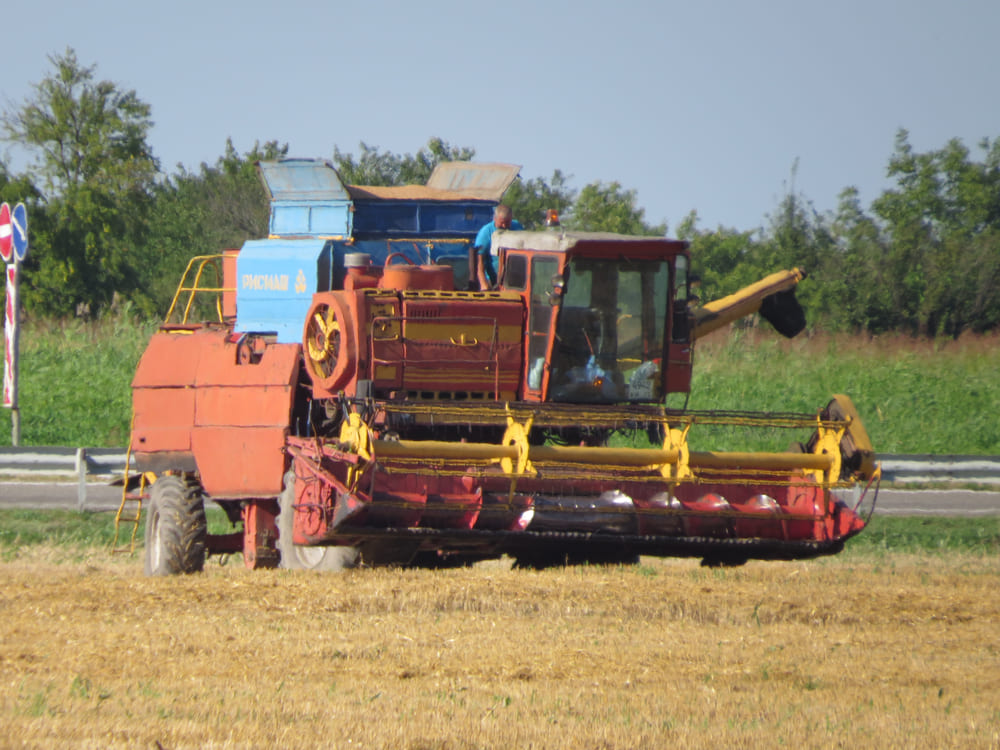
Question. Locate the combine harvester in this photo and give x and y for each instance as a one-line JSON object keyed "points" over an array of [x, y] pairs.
{"points": [[352, 402]]}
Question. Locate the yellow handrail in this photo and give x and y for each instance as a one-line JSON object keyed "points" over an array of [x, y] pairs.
{"points": [[196, 267]]}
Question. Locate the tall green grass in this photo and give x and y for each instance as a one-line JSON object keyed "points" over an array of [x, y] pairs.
{"points": [[914, 396], [62, 528], [74, 381], [25, 527], [923, 534]]}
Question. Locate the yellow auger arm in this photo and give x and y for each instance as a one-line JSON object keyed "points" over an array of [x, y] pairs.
{"points": [[772, 296]]}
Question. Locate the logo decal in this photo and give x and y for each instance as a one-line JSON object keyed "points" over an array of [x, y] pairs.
{"points": [[266, 282]]}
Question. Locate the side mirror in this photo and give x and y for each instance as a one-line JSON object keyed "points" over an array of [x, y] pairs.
{"points": [[558, 287]]}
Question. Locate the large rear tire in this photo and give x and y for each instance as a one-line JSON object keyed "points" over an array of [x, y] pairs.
{"points": [[298, 557], [175, 527]]}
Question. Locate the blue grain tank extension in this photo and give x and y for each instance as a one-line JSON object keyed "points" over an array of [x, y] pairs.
{"points": [[316, 219], [307, 199]]}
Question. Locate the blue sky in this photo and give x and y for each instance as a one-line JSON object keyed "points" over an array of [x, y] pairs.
{"points": [[703, 106]]}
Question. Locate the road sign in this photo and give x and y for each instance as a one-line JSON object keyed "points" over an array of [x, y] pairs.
{"points": [[6, 234], [19, 225]]}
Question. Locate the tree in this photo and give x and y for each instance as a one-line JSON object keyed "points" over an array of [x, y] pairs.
{"points": [[943, 191], [84, 132], [374, 168], [19, 188], [723, 259], [943, 217], [88, 138], [856, 277], [610, 208], [531, 199], [201, 213], [234, 196]]}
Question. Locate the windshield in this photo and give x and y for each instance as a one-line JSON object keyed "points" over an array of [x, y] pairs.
{"points": [[609, 336]]}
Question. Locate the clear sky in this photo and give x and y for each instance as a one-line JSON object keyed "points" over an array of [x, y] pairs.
{"points": [[694, 105]]}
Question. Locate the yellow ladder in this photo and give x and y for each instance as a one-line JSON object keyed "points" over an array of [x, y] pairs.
{"points": [[130, 509]]}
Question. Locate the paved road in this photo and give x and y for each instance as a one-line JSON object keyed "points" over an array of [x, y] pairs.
{"points": [[52, 495], [963, 503]]}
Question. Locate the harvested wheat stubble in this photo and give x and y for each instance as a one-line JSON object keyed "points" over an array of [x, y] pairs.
{"points": [[893, 652]]}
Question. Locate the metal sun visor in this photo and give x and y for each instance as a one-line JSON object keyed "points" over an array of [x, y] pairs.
{"points": [[485, 181], [276, 280]]}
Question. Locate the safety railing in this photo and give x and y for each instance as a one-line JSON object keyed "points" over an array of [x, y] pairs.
{"points": [[64, 464], [203, 280]]}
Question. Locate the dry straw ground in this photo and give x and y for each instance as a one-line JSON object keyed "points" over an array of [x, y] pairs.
{"points": [[855, 651]]}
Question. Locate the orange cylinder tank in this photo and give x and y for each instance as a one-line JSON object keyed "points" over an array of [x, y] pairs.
{"points": [[402, 277], [359, 272]]}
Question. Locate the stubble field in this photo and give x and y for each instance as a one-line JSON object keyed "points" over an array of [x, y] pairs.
{"points": [[861, 650]]}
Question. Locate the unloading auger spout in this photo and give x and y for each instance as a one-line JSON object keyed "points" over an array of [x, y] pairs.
{"points": [[772, 296]]}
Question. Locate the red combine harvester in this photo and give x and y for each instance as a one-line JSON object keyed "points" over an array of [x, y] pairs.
{"points": [[352, 402]]}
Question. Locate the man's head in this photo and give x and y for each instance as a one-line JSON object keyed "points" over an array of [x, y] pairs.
{"points": [[502, 216]]}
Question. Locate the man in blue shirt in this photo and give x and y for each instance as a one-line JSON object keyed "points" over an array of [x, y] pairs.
{"points": [[483, 265]]}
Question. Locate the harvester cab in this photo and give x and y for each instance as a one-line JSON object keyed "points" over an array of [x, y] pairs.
{"points": [[603, 314], [354, 401]]}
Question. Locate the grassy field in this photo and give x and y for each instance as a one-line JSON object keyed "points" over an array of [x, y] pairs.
{"points": [[914, 396], [872, 648], [74, 382]]}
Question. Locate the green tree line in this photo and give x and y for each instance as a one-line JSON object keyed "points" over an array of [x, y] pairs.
{"points": [[110, 228]]}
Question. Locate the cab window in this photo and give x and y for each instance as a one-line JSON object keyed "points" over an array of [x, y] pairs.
{"points": [[610, 331]]}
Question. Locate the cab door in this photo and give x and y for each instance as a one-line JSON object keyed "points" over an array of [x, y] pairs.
{"points": [[533, 275], [678, 370]]}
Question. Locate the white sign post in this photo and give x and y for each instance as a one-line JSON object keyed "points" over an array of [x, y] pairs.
{"points": [[13, 249]]}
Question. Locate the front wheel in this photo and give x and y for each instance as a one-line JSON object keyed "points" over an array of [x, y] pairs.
{"points": [[298, 557], [175, 527]]}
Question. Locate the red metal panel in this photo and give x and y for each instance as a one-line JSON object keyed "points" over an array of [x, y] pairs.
{"points": [[253, 406], [191, 394], [451, 511], [229, 282], [217, 365], [162, 419], [241, 419], [440, 502], [679, 368], [464, 312], [260, 534], [171, 359], [460, 345], [385, 332], [805, 500], [244, 462]]}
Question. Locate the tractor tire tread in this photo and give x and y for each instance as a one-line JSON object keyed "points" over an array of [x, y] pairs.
{"points": [[177, 514]]}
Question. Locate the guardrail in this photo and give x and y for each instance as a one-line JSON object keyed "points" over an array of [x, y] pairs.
{"points": [[926, 469], [82, 464]]}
